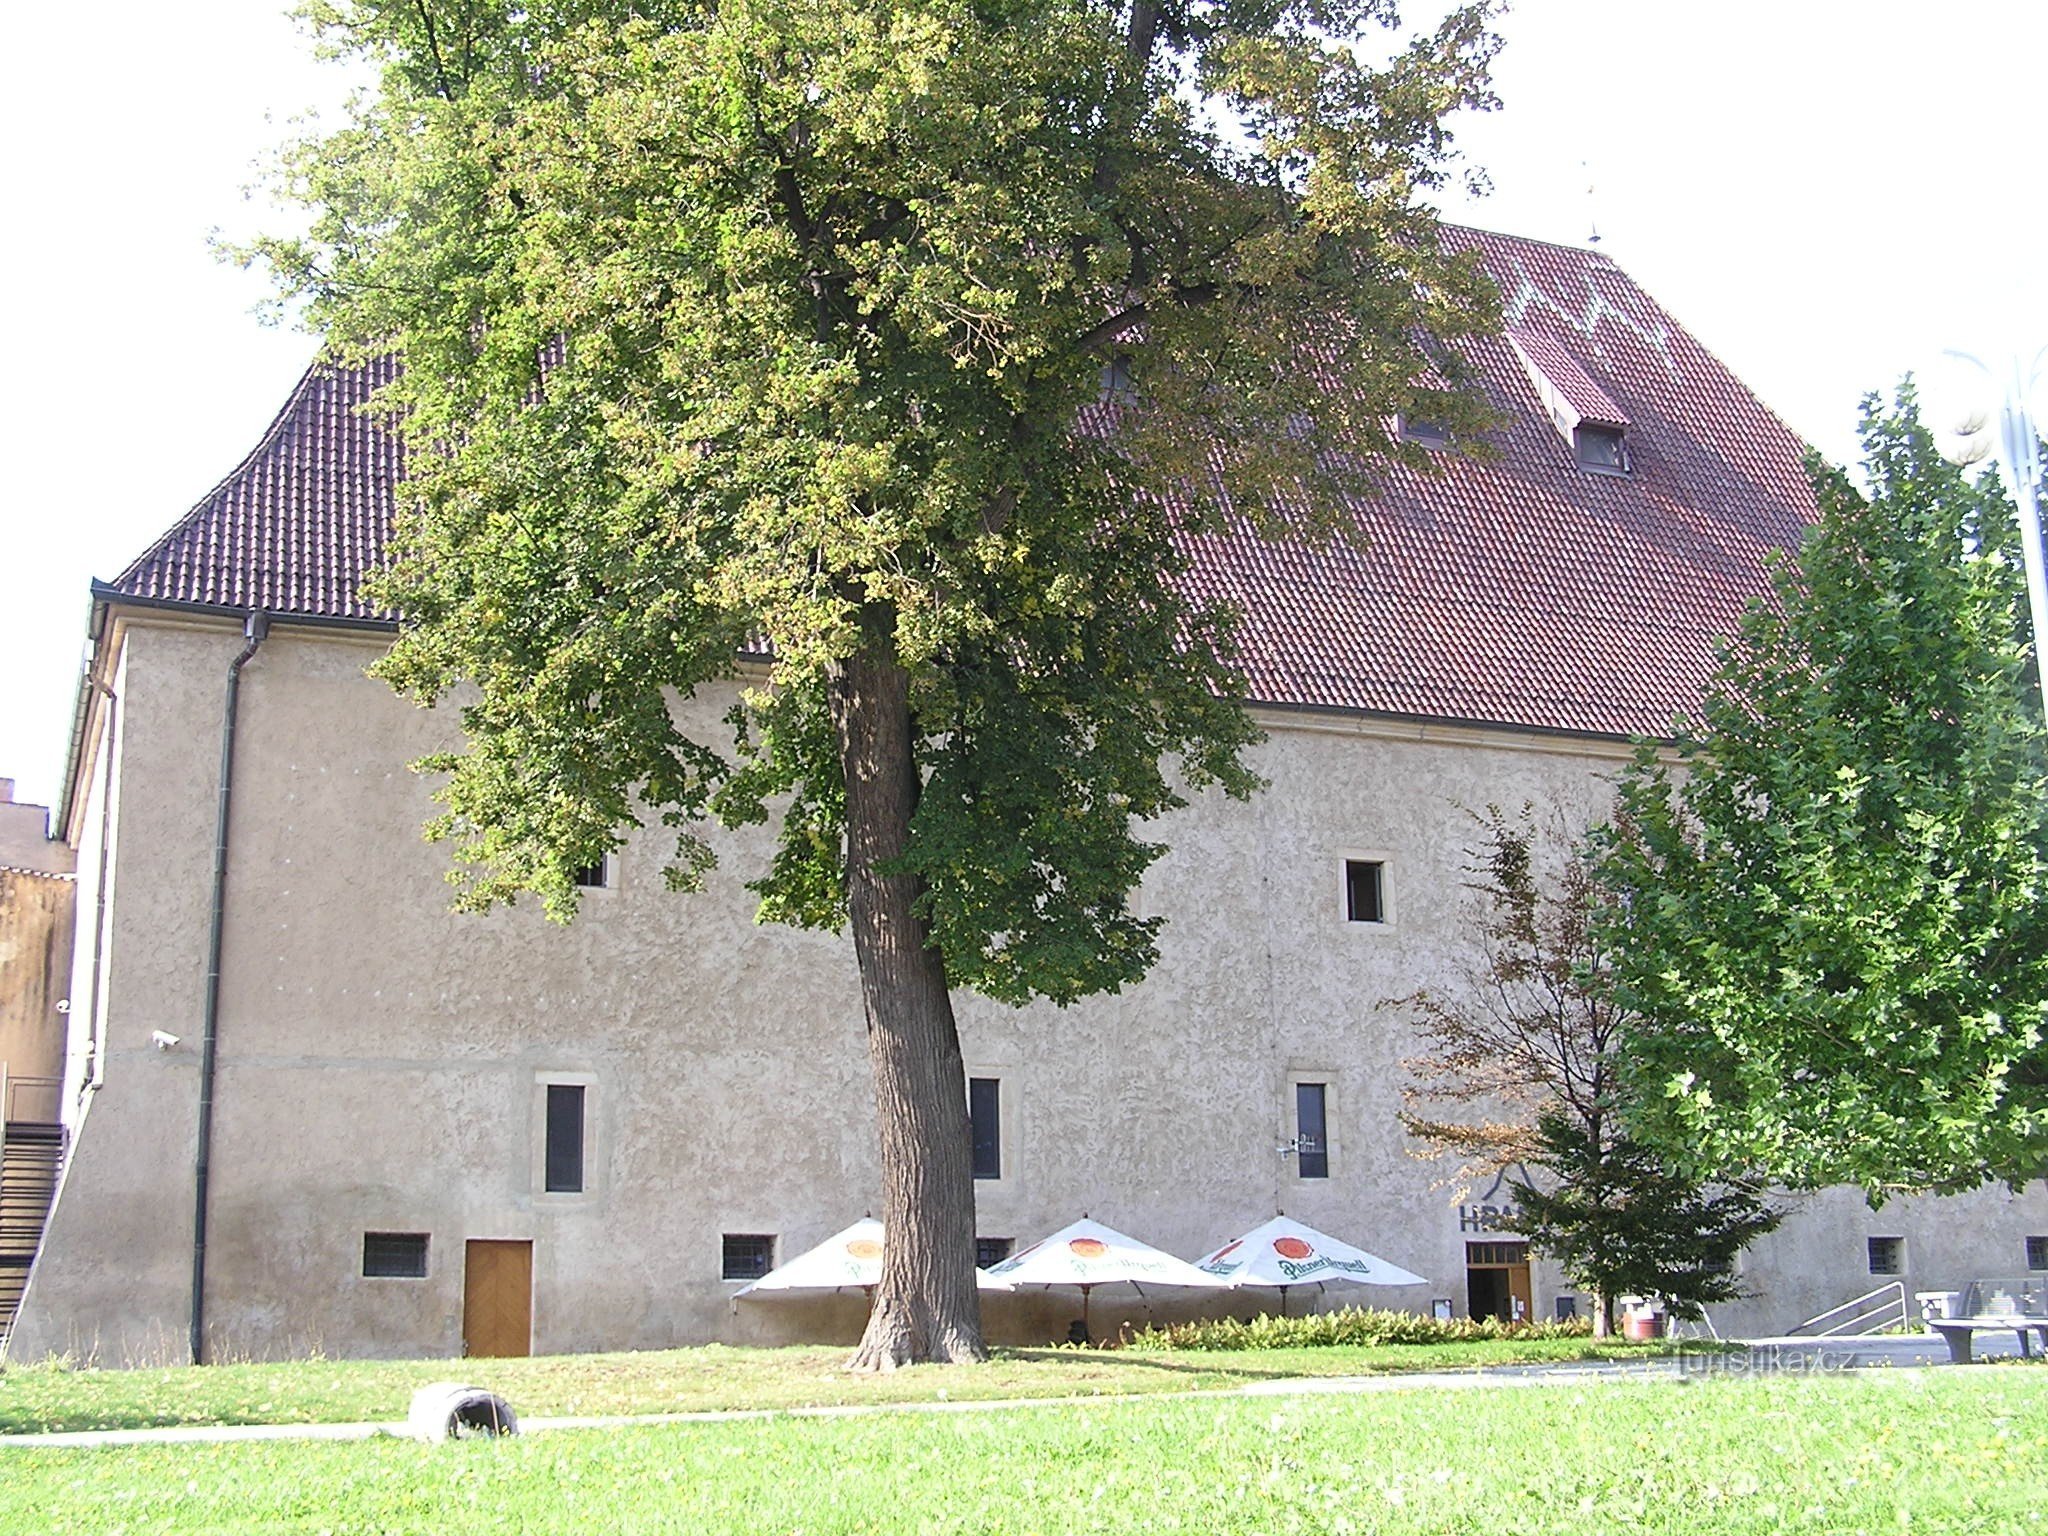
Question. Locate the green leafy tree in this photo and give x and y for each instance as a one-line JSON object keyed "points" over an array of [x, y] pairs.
{"points": [[905, 344], [1527, 1051], [1836, 904], [1622, 1220]]}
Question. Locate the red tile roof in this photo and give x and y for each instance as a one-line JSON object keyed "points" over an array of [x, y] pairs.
{"points": [[1522, 590]]}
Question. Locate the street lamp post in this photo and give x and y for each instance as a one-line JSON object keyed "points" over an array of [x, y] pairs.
{"points": [[1967, 440]]}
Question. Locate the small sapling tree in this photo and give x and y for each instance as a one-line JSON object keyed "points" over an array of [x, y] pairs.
{"points": [[1527, 1052]]}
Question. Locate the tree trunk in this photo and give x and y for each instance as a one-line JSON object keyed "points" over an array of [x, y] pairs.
{"points": [[926, 1307]]}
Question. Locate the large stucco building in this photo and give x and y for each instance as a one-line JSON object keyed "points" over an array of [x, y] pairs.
{"points": [[433, 1131]]}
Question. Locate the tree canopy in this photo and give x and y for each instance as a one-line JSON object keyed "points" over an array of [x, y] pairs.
{"points": [[899, 345], [1832, 914]]}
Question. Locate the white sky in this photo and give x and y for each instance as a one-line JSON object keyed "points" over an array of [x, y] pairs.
{"points": [[1826, 192]]}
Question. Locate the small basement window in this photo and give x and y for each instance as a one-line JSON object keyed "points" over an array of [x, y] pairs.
{"points": [[395, 1255], [1887, 1255], [595, 877], [992, 1250], [1365, 891], [2037, 1253], [748, 1255], [1600, 448]]}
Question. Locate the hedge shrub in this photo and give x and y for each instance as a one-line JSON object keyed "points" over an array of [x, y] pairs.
{"points": [[1360, 1326]]}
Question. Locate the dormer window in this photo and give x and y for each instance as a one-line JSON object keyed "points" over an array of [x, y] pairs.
{"points": [[1118, 386], [1429, 434], [1585, 415], [1600, 448]]}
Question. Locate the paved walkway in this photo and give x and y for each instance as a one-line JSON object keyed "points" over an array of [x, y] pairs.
{"points": [[1902, 1357]]}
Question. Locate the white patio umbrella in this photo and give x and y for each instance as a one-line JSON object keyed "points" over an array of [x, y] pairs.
{"points": [[849, 1260], [1285, 1253], [1086, 1254]]}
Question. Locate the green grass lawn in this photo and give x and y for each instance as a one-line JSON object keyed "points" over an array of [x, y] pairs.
{"points": [[1946, 1451], [671, 1381]]}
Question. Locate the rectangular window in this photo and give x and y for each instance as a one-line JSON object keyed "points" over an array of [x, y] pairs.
{"points": [[1365, 891], [1600, 447], [748, 1255], [1312, 1130], [2037, 1253], [992, 1250], [1482, 1255], [1431, 434], [564, 1139], [395, 1255], [1887, 1255], [595, 877], [985, 1120]]}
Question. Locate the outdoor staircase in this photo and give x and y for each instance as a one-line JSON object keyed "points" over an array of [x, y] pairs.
{"points": [[31, 1155]]}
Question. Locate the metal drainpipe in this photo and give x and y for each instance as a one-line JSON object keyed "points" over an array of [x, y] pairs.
{"points": [[95, 1027], [257, 626]]}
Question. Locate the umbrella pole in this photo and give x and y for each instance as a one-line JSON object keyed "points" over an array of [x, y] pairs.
{"points": [[1085, 1327]]}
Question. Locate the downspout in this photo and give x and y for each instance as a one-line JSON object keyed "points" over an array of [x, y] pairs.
{"points": [[95, 1026], [256, 627]]}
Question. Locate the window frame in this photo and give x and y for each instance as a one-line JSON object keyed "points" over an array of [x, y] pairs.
{"points": [[1009, 1246], [1585, 431], [1386, 921], [975, 1141], [426, 1256], [1896, 1251], [1304, 1074], [1320, 1154], [592, 1166], [726, 1240], [2035, 1246], [608, 870]]}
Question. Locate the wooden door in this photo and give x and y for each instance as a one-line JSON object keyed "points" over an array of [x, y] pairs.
{"points": [[497, 1297], [1520, 1304]]}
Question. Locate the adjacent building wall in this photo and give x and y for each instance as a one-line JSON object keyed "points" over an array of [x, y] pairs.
{"points": [[37, 896], [384, 1062]]}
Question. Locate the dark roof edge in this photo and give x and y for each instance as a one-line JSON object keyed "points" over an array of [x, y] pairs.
{"points": [[107, 592], [1461, 722]]}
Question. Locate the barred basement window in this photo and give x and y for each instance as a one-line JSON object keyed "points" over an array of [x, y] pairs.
{"points": [[992, 1250], [594, 877], [395, 1255], [748, 1255], [1887, 1255], [1365, 891], [2037, 1253]]}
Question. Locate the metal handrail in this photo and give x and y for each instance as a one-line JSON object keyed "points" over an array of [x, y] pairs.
{"points": [[1896, 1305]]}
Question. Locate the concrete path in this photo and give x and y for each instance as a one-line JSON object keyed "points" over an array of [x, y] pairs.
{"points": [[1902, 1357]]}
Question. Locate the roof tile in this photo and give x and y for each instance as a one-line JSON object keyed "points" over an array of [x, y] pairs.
{"points": [[1519, 590]]}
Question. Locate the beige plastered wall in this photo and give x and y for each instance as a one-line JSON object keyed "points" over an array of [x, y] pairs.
{"points": [[382, 1060]]}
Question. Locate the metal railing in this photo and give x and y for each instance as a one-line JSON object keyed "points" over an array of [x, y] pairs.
{"points": [[1882, 1308]]}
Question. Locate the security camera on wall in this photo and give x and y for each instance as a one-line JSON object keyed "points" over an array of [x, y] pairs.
{"points": [[162, 1040]]}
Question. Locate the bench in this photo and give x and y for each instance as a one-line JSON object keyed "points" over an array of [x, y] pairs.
{"points": [[1957, 1332]]}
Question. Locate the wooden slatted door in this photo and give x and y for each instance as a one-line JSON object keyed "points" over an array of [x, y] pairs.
{"points": [[497, 1297]]}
